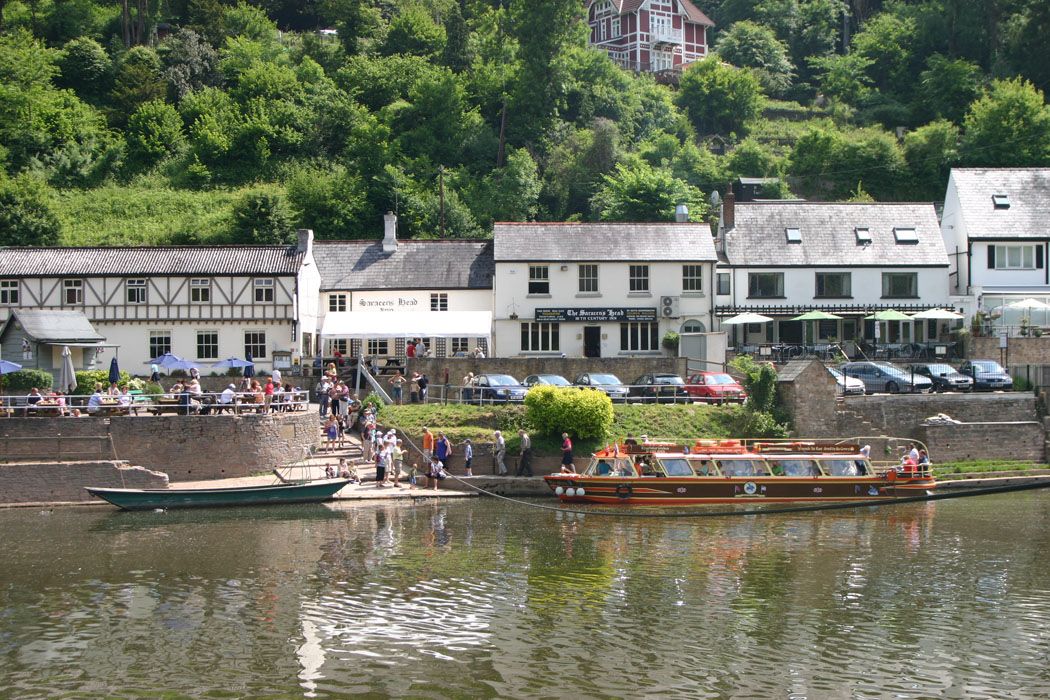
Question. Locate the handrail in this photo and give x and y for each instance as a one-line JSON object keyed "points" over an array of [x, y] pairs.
{"points": [[205, 402]]}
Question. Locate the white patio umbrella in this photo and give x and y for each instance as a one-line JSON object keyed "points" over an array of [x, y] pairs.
{"points": [[1028, 304], [936, 315], [746, 317], [67, 375]]}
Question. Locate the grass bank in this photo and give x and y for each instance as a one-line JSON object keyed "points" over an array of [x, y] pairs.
{"points": [[980, 466]]}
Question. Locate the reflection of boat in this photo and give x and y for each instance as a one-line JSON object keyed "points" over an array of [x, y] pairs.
{"points": [[735, 471], [148, 499], [118, 521]]}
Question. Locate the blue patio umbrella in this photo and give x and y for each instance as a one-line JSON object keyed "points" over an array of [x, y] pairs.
{"points": [[166, 360], [8, 367], [114, 371], [249, 369], [231, 363], [183, 365]]}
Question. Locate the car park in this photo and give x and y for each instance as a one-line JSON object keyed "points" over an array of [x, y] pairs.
{"points": [[609, 383], [987, 375], [660, 388], [715, 387], [496, 388], [545, 380], [887, 377], [849, 386], [944, 376]]}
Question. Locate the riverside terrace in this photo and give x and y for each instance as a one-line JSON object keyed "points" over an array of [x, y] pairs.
{"points": [[98, 405]]}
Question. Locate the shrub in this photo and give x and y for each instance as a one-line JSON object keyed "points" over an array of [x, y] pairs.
{"points": [[745, 422], [375, 401], [670, 341], [553, 410], [760, 380], [87, 379], [26, 379]]}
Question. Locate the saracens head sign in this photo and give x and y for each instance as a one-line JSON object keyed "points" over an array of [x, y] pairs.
{"points": [[597, 315]]}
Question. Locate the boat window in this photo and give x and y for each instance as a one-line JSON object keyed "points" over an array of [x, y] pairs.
{"points": [[743, 467], [704, 467], [646, 467], [676, 467], [794, 467], [624, 467], [602, 467], [841, 467]]}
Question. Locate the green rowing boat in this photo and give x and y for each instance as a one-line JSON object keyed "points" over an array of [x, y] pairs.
{"points": [[151, 499]]}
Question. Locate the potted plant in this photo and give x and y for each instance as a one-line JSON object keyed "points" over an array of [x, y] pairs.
{"points": [[670, 342]]}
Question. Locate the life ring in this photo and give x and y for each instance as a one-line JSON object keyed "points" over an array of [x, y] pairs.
{"points": [[624, 491], [891, 475]]}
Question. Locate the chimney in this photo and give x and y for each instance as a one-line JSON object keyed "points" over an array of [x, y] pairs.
{"points": [[728, 210], [305, 243], [681, 214], [389, 233]]}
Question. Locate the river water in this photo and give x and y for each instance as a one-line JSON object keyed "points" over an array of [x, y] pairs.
{"points": [[488, 599]]}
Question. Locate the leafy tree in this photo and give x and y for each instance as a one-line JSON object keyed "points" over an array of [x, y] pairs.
{"points": [[437, 120], [843, 78], [377, 82], [136, 82], [84, 67], [948, 87], [190, 63], [358, 22], [456, 54], [930, 152], [750, 45], [829, 163], [886, 40], [250, 22], [26, 218], [207, 18], [1009, 125], [262, 218], [574, 167], [719, 99], [509, 193], [752, 159], [329, 201], [76, 18], [420, 209], [639, 192], [414, 32], [154, 132]]}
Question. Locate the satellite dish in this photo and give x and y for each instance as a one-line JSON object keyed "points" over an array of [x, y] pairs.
{"points": [[716, 199]]}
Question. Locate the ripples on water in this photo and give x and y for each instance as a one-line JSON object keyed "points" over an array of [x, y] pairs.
{"points": [[483, 599]]}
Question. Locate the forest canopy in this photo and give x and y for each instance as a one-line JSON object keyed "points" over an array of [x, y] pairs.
{"points": [[184, 121]]}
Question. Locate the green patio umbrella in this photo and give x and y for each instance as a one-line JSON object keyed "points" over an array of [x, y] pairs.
{"points": [[888, 315], [816, 315]]}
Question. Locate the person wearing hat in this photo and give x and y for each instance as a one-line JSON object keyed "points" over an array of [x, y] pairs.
{"points": [[226, 398]]}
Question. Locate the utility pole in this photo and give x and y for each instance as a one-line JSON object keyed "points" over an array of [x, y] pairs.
{"points": [[500, 154], [441, 195]]}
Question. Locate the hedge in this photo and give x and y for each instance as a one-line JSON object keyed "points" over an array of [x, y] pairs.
{"points": [[25, 379], [553, 410], [87, 379]]}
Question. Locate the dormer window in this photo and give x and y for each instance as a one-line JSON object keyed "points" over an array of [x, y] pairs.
{"points": [[794, 235], [1001, 201], [863, 235], [905, 235]]}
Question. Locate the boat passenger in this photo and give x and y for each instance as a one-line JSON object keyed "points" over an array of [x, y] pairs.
{"points": [[923, 457], [603, 468]]}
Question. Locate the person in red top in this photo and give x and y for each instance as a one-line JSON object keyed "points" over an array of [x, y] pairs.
{"points": [[567, 466], [410, 349], [268, 391]]}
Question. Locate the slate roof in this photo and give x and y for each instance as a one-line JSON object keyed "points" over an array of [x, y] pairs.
{"points": [[417, 264], [1029, 193], [150, 260], [691, 11], [54, 325], [620, 242], [829, 237]]}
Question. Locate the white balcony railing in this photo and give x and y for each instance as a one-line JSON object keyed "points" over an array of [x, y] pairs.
{"points": [[662, 34]]}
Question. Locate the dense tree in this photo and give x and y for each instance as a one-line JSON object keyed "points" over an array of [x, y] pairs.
{"points": [[137, 81], [250, 22], [26, 217], [330, 201], [358, 22], [930, 152], [719, 99], [154, 132], [85, 67], [509, 193], [190, 63], [886, 42], [262, 218], [829, 163], [456, 54], [639, 192], [414, 32], [948, 87], [750, 45], [843, 78], [1008, 126], [575, 164]]}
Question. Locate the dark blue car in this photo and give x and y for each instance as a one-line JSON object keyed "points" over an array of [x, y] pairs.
{"points": [[988, 375]]}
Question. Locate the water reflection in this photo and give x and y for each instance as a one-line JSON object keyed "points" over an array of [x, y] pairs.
{"points": [[482, 599]]}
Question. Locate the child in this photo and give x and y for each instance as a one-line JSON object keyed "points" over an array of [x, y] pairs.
{"points": [[468, 455], [331, 429], [348, 471], [329, 471]]}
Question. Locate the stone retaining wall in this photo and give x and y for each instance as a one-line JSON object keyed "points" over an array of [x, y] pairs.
{"points": [[1020, 351], [36, 482], [901, 414], [187, 448], [1021, 440]]}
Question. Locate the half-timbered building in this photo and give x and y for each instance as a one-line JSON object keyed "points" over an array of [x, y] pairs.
{"points": [[650, 36], [203, 303]]}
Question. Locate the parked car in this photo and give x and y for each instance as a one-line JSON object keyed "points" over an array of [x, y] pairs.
{"points": [[496, 388], [944, 377], [987, 375], [850, 386], [660, 388], [545, 380], [884, 376], [609, 383], [715, 387]]}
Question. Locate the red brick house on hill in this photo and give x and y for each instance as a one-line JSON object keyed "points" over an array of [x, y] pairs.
{"points": [[652, 36]]}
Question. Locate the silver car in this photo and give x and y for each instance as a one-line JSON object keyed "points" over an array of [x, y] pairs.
{"points": [[609, 383], [883, 376]]}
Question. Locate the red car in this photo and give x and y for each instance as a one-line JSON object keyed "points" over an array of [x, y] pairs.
{"points": [[715, 387]]}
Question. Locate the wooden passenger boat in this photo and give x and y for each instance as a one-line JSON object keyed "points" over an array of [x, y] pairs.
{"points": [[737, 471], [151, 499]]}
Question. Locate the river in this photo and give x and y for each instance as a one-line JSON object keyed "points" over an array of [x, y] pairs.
{"points": [[488, 599]]}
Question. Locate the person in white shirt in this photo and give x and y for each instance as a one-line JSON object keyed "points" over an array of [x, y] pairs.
{"points": [[228, 395], [276, 376]]}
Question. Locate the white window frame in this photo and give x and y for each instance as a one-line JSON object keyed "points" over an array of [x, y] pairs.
{"points": [[136, 290], [459, 345], [213, 354], [77, 288], [692, 278], [540, 276], [439, 301], [540, 336], [615, 27], [588, 278], [640, 336], [159, 342], [10, 291], [377, 346], [255, 340], [337, 302], [200, 290], [727, 278], [1024, 255], [637, 279], [264, 290]]}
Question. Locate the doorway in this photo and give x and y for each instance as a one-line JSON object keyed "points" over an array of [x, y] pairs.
{"points": [[592, 341]]}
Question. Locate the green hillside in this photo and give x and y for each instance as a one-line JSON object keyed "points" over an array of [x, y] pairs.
{"points": [[215, 121]]}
